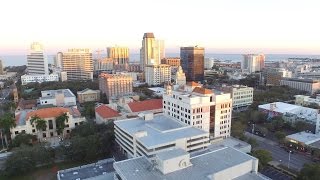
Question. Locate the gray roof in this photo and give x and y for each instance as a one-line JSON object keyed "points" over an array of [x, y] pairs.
{"points": [[66, 92], [165, 155], [202, 167], [102, 169], [160, 130]]}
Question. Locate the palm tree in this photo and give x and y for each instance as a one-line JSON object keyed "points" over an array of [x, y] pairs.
{"points": [[41, 124], [60, 122], [6, 123]]}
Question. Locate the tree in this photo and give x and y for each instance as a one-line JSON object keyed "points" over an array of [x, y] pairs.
{"points": [[277, 122], [23, 139], [7, 122], [237, 129], [89, 110], [40, 124], [60, 122], [253, 142], [309, 172], [264, 157], [300, 126], [280, 135]]}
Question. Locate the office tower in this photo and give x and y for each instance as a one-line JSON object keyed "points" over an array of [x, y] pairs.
{"points": [[152, 50], [157, 74], [1, 67], [58, 60], [252, 63], [180, 77], [78, 64], [120, 56], [115, 85], [36, 61], [192, 62]]}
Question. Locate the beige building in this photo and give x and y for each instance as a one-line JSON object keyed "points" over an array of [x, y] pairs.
{"points": [[88, 95], [152, 51], [172, 61], [157, 74], [252, 63], [78, 64], [1, 67], [180, 77], [115, 85], [309, 85], [104, 64], [120, 57]]}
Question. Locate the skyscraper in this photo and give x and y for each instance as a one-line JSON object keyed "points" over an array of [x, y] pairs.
{"points": [[152, 51], [58, 60], [1, 67], [120, 56], [192, 62], [78, 64], [252, 63], [36, 61]]}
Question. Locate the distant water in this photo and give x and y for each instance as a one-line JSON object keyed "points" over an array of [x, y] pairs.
{"points": [[22, 60]]}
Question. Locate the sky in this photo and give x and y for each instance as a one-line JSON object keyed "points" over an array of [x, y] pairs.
{"points": [[221, 26]]}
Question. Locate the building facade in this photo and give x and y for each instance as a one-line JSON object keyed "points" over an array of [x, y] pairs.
{"points": [[309, 85], [180, 77], [252, 63], [24, 125], [115, 85], [120, 56], [242, 96], [157, 74], [273, 76], [58, 60], [192, 62], [78, 64], [172, 61], [104, 64], [208, 63], [32, 78], [1, 67], [88, 95], [37, 63], [152, 51], [60, 97]]}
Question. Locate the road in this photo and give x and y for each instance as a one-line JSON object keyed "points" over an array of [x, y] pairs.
{"points": [[280, 155]]}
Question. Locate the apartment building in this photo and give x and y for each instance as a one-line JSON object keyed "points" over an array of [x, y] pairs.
{"points": [[60, 97], [78, 64], [37, 63], [115, 85], [88, 95], [252, 63], [157, 74], [23, 124], [152, 134]]}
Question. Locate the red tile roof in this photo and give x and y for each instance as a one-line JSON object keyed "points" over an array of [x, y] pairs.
{"points": [[48, 112], [192, 83], [147, 105], [106, 112], [201, 90]]}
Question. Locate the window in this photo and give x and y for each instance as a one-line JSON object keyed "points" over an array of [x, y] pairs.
{"points": [[23, 131], [68, 131], [16, 132], [44, 135], [50, 124], [33, 130], [51, 134], [76, 124]]}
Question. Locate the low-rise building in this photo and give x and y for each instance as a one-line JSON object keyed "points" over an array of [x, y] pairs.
{"points": [[60, 97], [157, 74], [242, 96], [115, 85], [304, 139], [39, 78], [172, 61], [303, 100], [151, 134], [8, 75], [223, 163], [292, 113], [88, 95], [150, 105], [273, 76], [309, 85], [23, 122], [105, 114]]}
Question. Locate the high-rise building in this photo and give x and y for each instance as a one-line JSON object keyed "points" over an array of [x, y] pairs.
{"points": [[36, 61], [78, 64], [1, 67], [157, 74], [120, 56], [104, 64], [192, 62], [58, 60], [252, 63], [180, 77], [115, 85], [152, 51]]}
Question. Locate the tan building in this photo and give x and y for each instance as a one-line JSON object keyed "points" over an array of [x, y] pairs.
{"points": [[152, 51], [104, 64], [172, 61], [252, 63], [88, 95], [78, 64], [1, 67], [180, 77], [309, 85], [120, 57], [157, 74], [115, 85]]}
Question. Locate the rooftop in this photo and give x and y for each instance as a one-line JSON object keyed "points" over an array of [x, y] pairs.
{"points": [[146, 105], [192, 83], [103, 169], [106, 112], [279, 107], [304, 137], [87, 90], [203, 166], [160, 130], [202, 90], [52, 93], [148, 35]]}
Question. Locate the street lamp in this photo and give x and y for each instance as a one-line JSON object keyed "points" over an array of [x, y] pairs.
{"points": [[289, 159]]}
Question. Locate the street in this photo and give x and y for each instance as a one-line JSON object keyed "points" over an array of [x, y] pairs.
{"points": [[280, 155]]}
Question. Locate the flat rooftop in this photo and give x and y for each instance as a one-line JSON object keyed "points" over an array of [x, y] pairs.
{"points": [[304, 137], [280, 107], [66, 92], [103, 169], [160, 130], [203, 166]]}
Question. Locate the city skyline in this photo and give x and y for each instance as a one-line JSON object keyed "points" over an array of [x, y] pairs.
{"points": [[274, 27]]}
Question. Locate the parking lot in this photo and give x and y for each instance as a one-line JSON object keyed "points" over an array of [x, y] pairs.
{"points": [[275, 174]]}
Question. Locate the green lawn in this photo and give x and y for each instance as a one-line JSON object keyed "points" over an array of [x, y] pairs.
{"points": [[48, 173]]}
